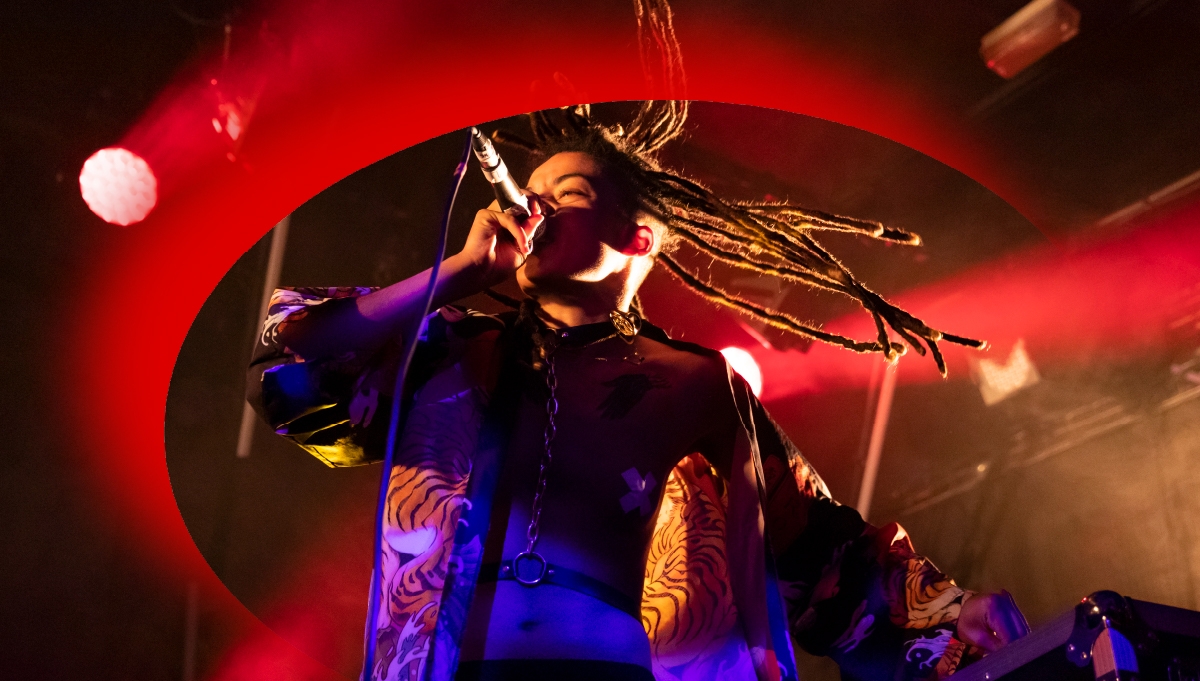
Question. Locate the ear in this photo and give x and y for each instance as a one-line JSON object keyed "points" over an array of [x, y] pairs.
{"points": [[641, 242]]}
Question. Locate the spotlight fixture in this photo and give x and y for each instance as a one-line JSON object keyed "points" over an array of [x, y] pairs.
{"points": [[1028, 35], [119, 186], [999, 381]]}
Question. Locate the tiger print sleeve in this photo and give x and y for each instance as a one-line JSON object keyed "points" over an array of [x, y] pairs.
{"points": [[857, 593], [336, 408]]}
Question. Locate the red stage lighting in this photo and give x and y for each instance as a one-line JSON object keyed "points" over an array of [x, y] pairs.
{"points": [[119, 186], [743, 363]]}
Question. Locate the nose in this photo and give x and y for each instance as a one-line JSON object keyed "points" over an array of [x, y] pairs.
{"points": [[547, 209]]}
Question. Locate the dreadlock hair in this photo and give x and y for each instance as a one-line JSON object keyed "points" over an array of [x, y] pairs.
{"points": [[771, 238]]}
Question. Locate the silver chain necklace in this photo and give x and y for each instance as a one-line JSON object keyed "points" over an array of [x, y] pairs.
{"points": [[627, 328], [535, 512]]}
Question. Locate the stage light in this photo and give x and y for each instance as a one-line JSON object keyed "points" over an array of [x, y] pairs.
{"points": [[743, 363], [119, 186], [1028, 35], [999, 381]]}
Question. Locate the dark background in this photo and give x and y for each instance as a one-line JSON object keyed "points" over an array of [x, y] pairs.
{"points": [[1098, 125]]}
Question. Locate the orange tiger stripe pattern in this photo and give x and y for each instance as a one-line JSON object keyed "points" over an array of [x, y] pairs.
{"points": [[687, 601], [919, 595], [426, 495]]}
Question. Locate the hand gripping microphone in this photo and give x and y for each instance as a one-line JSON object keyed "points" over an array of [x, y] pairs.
{"points": [[508, 194]]}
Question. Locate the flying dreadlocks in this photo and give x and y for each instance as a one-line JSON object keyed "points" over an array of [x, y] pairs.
{"points": [[769, 238], [736, 552]]}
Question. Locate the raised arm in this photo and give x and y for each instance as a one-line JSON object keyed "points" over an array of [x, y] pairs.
{"points": [[496, 246], [326, 361]]}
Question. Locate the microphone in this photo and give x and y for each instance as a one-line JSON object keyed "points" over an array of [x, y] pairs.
{"points": [[508, 194]]}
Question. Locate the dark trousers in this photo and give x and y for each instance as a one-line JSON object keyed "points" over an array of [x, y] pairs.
{"points": [[551, 670]]}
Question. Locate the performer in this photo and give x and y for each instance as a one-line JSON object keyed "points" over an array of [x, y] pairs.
{"points": [[576, 495]]}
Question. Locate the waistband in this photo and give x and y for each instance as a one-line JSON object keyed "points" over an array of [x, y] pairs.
{"points": [[567, 579], [551, 670]]}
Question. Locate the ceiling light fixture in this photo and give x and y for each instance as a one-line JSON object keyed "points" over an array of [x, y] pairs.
{"points": [[1028, 35]]}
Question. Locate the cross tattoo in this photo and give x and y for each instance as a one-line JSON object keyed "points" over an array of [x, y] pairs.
{"points": [[639, 491]]}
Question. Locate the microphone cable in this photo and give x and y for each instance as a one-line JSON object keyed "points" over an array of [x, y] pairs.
{"points": [[410, 344]]}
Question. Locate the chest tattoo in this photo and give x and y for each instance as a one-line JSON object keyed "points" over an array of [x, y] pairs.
{"points": [[640, 492], [627, 391]]}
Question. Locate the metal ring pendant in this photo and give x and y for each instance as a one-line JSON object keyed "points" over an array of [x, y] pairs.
{"points": [[526, 556]]}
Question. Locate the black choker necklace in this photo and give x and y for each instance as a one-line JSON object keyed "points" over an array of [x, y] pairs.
{"points": [[627, 324]]}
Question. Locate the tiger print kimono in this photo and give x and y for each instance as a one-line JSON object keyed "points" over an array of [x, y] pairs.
{"points": [[828, 581]]}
